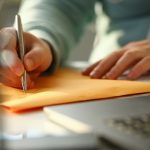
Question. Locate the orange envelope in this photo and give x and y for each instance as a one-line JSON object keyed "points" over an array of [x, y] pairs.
{"points": [[67, 86]]}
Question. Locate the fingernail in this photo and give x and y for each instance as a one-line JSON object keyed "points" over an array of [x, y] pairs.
{"points": [[93, 74], [19, 71], [110, 76], [131, 76], [29, 64], [7, 58], [104, 77]]}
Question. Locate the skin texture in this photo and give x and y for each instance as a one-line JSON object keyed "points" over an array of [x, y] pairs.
{"points": [[134, 56], [37, 59]]}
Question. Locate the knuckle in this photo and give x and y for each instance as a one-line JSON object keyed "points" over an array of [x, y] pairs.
{"points": [[131, 45], [134, 54], [130, 54], [116, 53]]}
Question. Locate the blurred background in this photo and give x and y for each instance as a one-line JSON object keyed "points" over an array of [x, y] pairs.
{"points": [[80, 53]]}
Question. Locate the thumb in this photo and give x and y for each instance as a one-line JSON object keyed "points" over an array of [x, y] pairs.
{"points": [[33, 59]]}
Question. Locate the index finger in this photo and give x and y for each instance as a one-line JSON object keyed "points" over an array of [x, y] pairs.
{"points": [[9, 59], [126, 60]]}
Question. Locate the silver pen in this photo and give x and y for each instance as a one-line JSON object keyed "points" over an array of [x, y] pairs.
{"points": [[20, 42]]}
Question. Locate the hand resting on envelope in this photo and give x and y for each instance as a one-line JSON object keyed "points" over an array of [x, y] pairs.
{"points": [[37, 59], [135, 55]]}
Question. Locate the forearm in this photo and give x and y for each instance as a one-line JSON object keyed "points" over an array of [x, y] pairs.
{"points": [[60, 22]]}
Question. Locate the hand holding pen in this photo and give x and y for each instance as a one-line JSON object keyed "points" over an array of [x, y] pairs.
{"points": [[36, 60]]}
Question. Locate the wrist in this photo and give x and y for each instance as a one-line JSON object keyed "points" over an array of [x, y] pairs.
{"points": [[52, 67]]}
